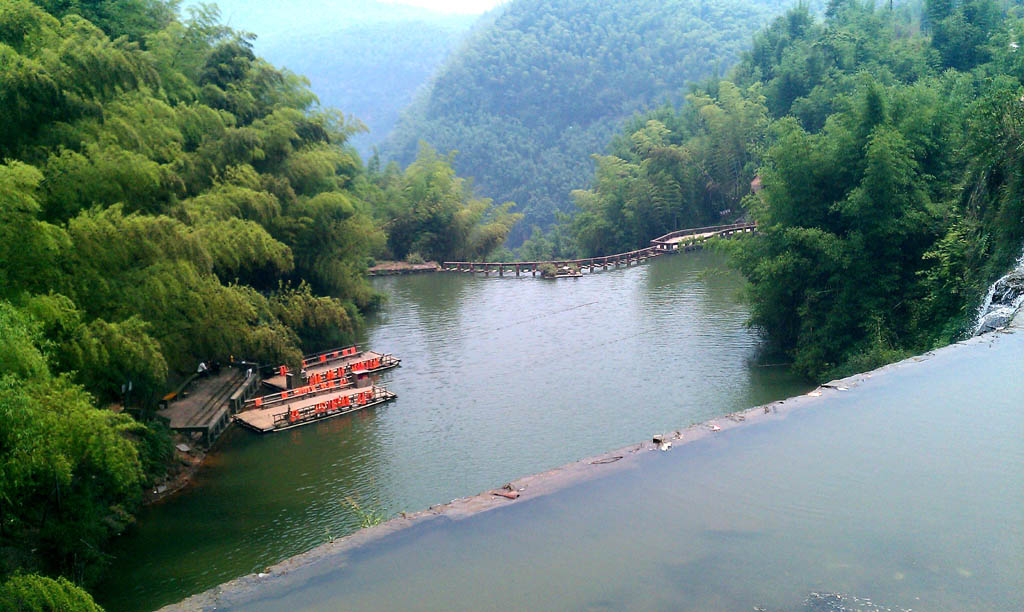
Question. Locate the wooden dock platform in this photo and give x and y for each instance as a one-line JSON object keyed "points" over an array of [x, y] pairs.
{"points": [[204, 404], [334, 365], [312, 407]]}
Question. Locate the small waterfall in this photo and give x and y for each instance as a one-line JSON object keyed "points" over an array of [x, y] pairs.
{"points": [[1003, 300]]}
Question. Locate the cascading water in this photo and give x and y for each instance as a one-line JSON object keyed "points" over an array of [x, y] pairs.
{"points": [[1004, 299]]}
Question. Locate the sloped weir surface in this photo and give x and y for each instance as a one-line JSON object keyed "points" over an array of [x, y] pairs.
{"points": [[904, 492]]}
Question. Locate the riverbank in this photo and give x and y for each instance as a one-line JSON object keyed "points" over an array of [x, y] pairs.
{"points": [[187, 460], [330, 556]]}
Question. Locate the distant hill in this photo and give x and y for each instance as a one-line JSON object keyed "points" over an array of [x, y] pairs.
{"points": [[285, 18], [527, 100], [365, 58]]}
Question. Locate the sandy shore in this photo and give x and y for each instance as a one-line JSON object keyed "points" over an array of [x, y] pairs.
{"points": [[240, 590]]}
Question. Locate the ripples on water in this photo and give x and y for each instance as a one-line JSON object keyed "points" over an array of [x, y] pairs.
{"points": [[501, 377]]}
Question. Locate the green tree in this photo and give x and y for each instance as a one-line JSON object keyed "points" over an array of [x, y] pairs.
{"points": [[434, 213], [68, 473], [33, 593], [675, 169]]}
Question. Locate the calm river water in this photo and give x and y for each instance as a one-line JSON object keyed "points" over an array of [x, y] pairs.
{"points": [[501, 377], [906, 492]]}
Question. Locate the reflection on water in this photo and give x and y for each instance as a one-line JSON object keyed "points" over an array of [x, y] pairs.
{"points": [[905, 493], [501, 377]]}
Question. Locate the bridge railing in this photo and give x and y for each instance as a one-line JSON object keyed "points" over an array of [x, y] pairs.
{"points": [[290, 395], [331, 355], [659, 246], [586, 261], [702, 230]]}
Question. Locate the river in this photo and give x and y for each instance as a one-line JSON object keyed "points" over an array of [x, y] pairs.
{"points": [[501, 377], [898, 491]]}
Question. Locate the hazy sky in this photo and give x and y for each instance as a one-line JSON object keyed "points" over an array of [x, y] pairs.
{"points": [[470, 7]]}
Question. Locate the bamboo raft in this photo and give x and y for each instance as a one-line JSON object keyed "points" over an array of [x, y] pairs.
{"points": [[287, 410], [335, 364]]}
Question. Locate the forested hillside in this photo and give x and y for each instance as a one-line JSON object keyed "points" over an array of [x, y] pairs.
{"points": [[529, 99], [371, 70], [365, 57], [888, 141], [166, 197]]}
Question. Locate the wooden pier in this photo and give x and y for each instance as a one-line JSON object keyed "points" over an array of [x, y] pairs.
{"points": [[674, 242], [204, 404], [294, 411], [331, 365]]}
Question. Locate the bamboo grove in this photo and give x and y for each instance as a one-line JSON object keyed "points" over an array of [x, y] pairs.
{"points": [[167, 197], [887, 140]]}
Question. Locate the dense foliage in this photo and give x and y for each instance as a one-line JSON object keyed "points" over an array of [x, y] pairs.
{"points": [[166, 197], [888, 143], [40, 594], [671, 170], [892, 188], [526, 101], [434, 214], [141, 182], [69, 473]]}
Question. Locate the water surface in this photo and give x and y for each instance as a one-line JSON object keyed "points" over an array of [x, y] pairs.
{"points": [[501, 377], [905, 492]]}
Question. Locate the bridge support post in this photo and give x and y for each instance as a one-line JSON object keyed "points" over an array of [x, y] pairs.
{"points": [[501, 269], [517, 269]]}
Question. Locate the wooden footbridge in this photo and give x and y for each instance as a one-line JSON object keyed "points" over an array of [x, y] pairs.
{"points": [[673, 242]]}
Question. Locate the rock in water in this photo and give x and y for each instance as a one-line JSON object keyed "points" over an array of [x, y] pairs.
{"points": [[840, 602]]}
